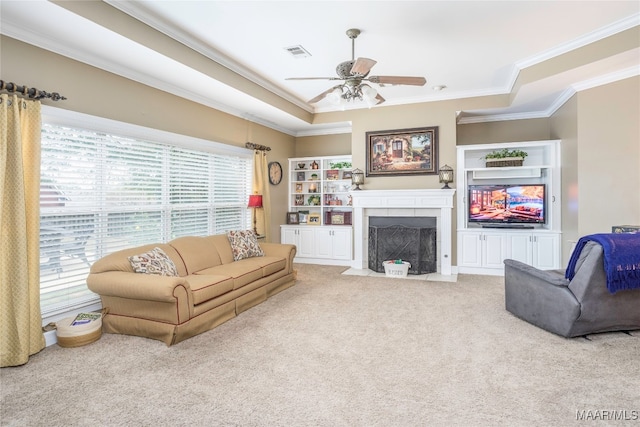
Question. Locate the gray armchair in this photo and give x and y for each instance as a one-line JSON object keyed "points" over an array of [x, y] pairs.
{"points": [[573, 308]]}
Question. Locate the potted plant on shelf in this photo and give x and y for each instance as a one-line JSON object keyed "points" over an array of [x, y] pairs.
{"points": [[505, 157]]}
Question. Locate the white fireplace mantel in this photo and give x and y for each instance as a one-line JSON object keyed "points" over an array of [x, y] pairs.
{"points": [[402, 203]]}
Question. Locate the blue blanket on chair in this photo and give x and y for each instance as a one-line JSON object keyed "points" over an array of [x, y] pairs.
{"points": [[621, 259]]}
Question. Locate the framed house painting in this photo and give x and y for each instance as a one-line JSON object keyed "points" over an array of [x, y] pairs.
{"points": [[402, 152]]}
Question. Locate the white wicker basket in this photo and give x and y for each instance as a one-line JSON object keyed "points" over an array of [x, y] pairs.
{"points": [[391, 269]]}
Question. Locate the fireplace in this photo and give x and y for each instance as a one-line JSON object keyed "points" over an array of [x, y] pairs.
{"points": [[411, 239], [433, 203]]}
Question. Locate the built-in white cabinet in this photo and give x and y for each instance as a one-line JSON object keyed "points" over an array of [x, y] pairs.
{"points": [[484, 245], [320, 244], [303, 238], [319, 196], [483, 252]]}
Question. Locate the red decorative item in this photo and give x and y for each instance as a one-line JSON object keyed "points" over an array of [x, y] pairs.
{"points": [[255, 201]]}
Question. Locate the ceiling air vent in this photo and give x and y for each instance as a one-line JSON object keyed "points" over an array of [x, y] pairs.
{"points": [[297, 51]]}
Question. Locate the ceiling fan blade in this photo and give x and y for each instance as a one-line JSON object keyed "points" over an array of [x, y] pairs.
{"points": [[362, 66], [380, 99], [398, 80], [321, 96], [312, 78]]}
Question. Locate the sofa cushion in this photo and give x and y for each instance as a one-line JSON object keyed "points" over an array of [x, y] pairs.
{"points": [[244, 244], [154, 261], [270, 264], [209, 286], [197, 252], [243, 272]]}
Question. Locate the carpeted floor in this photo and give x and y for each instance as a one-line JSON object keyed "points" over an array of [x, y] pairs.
{"points": [[338, 350]]}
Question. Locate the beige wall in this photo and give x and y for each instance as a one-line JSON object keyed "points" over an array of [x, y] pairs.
{"points": [[323, 145], [96, 92], [503, 131], [564, 126], [609, 156]]}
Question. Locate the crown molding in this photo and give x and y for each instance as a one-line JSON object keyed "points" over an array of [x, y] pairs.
{"points": [[133, 9], [594, 36]]}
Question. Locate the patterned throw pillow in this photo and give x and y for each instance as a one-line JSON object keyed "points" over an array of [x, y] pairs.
{"points": [[156, 261], [244, 244]]}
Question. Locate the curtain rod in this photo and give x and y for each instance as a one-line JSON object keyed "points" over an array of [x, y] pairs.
{"points": [[258, 147], [31, 93]]}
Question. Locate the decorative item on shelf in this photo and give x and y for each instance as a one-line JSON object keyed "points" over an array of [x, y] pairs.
{"points": [[301, 165], [313, 188], [292, 218], [337, 217], [314, 165], [446, 176], [505, 158], [333, 174], [299, 188], [339, 165], [357, 178], [314, 200], [255, 202], [302, 216], [346, 174], [300, 176], [314, 176], [313, 219], [299, 200]]}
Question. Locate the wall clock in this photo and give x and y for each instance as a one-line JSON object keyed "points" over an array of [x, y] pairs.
{"points": [[275, 173]]}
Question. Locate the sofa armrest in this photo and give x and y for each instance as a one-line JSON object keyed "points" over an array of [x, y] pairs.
{"points": [[150, 287], [551, 277], [540, 297], [283, 250]]}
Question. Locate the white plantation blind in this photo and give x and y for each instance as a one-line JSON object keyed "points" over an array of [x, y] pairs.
{"points": [[102, 192]]}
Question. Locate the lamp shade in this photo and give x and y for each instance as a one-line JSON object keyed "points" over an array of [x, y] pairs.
{"points": [[446, 175], [369, 94], [255, 201], [357, 178]]}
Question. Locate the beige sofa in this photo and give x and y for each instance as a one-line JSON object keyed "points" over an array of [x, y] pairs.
{"points": [[210, 287]]}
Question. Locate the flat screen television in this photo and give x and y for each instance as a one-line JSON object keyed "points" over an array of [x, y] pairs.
{"points": [[507, 204]]}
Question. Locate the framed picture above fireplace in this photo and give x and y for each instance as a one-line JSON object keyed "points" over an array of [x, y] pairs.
{"points": [[402, 152]]}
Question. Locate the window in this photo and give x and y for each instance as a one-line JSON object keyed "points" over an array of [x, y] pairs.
{"points": [[101, 192]]}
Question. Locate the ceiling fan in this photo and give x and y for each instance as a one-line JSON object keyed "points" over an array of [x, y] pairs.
{"points": [[354, 73]]}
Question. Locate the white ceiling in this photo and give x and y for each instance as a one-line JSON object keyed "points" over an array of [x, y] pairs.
{"points": [[474, 48]]}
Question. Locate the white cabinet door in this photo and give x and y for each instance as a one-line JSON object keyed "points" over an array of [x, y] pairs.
{"points": [[334, 243], [302, 237], [470, 249], [306, 242], [324, 243], [546, 249], [493, 250], [519, 247], [289, 236], [482, 249], [342, 243]]}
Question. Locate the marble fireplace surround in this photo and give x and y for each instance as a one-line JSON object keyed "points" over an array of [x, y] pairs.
{"points": [[430, 203]]}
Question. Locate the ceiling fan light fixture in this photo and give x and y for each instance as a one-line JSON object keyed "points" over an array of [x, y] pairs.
{"points": [[369, 94], [335, 96]]}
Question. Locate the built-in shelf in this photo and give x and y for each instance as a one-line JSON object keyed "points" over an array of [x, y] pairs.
{"points": [[507, 172], [483, 250]]}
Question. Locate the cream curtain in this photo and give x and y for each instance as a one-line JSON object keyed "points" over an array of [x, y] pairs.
{"points": [[20, 320], [261, 186]]}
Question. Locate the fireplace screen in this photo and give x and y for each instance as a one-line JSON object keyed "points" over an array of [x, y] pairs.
{"points": [[414, 244]]}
